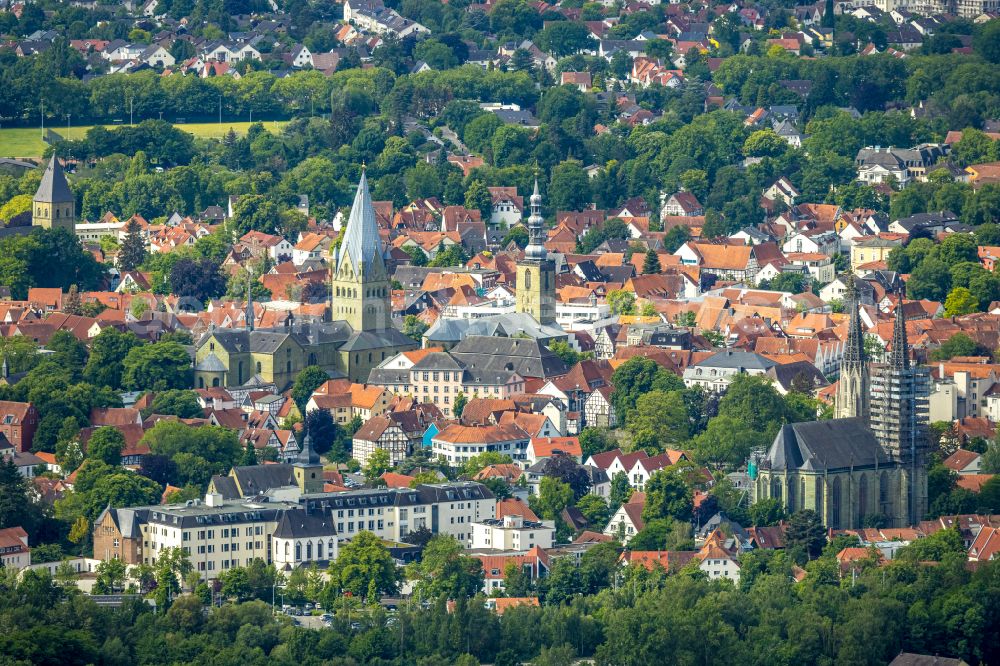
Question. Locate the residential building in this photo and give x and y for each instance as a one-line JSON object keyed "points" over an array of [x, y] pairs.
{"points": [[458, 443], [18, 422], [715, 372], [512, 532], [15, 554]]}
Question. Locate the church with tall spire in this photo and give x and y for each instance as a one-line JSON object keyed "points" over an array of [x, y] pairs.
{"points": [[851, 399], [359, 336], [868, 465], [536, 273]]}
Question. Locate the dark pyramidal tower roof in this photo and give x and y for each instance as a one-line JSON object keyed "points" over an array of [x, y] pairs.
{"points": [[54, 188]]}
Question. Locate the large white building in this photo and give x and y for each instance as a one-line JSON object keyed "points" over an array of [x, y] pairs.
{"points": [[392, 513], [512, 533]]}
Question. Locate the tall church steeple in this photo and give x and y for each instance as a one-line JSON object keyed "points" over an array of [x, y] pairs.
{"points": [[54, 205], [852, 388], [360, 285], [536, 273], [900, 392]]}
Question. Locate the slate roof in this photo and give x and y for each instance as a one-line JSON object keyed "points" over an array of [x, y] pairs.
{"points": [[825, 445], [526, 357], [299, 524], [361, 238], [54, 188], [731, 358], [257, 479]]}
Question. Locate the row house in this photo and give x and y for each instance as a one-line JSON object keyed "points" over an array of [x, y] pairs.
{"points": [[637, 466]]}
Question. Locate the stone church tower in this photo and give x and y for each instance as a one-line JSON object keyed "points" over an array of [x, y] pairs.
{"points": [[868, 464], [899, 416], [851, 400], [536, 274], [360, 283], [54, 205]]}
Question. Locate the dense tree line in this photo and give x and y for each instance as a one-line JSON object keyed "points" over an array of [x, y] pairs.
{"points": [[598, 610]]}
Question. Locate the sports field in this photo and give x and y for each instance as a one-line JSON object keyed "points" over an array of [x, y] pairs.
{"points": [[27, 142]]}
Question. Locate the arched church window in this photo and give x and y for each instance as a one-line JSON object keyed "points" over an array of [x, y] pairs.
{"points": [[527, 279], [835, 504], [819, 497]]}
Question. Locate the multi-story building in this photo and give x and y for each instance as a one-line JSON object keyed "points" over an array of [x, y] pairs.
{"points": [[458, 443], [392, 513], [715, 372], [511, 533], [14, 551], [479, 366], [18, 422]]}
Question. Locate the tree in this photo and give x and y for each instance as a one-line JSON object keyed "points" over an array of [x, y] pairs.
{"points": [[377, 465], [569, 188], [478, 197], [960, 301], [727, 441], [106, 445], [198, 452], [620, 492], [958, 344], [753, 400], [16, 510], [564, 351], [72, 304], [306, 382], [517, 234], [444, 572], [636, 377], [667, 496], [107, 353], [987, 41], [651, 264], [199, 279], [132, 253], [659, 420], [498, 486], [414, 327], [157, 367], [362, 561], [458, 406], [766, 512], [327, 436], [417, 256], [553, 496], [111, 574], [562, 38], [805, 532], [516, 581], [621, 302], [595, 440], [595, 509], [565, 469], [181, 403]]}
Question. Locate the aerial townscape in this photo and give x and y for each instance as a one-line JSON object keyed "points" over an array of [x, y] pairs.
{"points": [[445, 333]]}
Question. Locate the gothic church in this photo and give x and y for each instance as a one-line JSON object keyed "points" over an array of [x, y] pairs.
{"points": [[867, 466]]}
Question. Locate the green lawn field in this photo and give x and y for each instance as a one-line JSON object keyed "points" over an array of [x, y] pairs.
{"points": [[27, 142]]}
